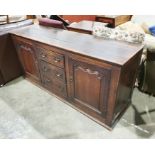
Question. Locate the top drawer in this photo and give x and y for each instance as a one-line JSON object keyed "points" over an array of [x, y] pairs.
{"points": [[51, 57], [106, 20]]}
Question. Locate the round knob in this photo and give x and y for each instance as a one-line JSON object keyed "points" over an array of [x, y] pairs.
{"points": [[43, 56], [58, 75], [57, 59]]}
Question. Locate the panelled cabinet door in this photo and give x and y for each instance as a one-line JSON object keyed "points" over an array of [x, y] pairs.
{"points": [[28, 60], [89, 86]]}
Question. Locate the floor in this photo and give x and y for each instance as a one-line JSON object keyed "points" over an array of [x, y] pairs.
{"points": [[27, 111]]}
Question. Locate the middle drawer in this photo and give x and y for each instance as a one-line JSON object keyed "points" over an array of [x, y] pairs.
{"points": [[51, 57], [51, 71]]}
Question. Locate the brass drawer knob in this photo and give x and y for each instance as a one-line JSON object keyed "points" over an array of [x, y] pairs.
{"points": [[58, 75], [57, 59], [43, 56]]}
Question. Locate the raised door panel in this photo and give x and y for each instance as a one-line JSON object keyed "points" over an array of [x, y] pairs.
{"points": [[89, 86], [28, 60]]}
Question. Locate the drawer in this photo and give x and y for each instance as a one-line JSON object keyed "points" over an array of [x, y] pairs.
{"points": [[105, 20], [55, 87], [51, 57], [51, 71]]}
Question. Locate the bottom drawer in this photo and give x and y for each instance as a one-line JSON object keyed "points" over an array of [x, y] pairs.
{"points": [[54, 86]]}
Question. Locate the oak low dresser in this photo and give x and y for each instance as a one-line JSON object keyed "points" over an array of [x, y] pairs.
{"points": [[94, 75]]}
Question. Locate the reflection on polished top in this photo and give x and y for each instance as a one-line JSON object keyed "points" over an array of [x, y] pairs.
{"points": [[86, 25], [111, 51]]}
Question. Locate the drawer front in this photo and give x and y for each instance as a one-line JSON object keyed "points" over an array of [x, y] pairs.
{"points": [[51, 57], [105, 20], [53, 72], [57, 88]]}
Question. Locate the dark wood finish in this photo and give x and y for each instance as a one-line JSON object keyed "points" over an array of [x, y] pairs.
{"points": [[53, 78], [9, 63], [96, 76], [103, 50], [28, 59], [54, 86], [52, 71], [84, 26], [51, 57], [51, 64], [113, 20], [89, 86], [127, 79]]}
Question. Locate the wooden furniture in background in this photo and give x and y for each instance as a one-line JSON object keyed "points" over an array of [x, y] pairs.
{"points": [[9, 63], [31, 16], [84, 26], [78, 18], [28, 58], [7, 19], [94, 75], [114, 20]]}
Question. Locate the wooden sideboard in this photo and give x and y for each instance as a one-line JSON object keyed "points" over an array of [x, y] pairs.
{"points": [[94, 75]]}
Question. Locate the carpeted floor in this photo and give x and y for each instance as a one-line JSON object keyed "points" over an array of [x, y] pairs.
{"points": [[27, 111]]}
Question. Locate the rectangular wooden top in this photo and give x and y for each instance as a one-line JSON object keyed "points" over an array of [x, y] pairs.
{"points": [[116, 52]]}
